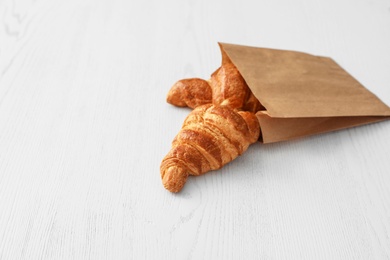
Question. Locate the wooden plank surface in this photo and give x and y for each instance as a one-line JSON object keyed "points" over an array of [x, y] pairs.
{"points": [[84, 126]]}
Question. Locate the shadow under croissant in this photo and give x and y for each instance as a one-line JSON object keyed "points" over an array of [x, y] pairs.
{"points": [[211, 137]]}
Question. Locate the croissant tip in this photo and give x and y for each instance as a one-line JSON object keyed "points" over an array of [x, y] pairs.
{"points": [[174, 178], [174, 96]]}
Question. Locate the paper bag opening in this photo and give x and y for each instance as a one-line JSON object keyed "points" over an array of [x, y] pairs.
{"points": [[303, 94]]}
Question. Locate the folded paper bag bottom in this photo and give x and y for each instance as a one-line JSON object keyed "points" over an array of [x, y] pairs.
{"points": [[303, 94], [282, 129]]}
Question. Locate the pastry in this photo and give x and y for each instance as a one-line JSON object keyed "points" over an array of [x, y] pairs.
{"points": [[211, 136], [225, 87]]}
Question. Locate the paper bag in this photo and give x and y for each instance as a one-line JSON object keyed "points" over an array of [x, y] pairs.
{"points": [[302, 94]]}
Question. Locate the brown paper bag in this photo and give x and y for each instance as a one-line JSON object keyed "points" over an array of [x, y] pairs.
{"points": [[303, 94]]}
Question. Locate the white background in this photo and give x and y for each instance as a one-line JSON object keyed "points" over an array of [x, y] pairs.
{"points": [[84, 126]]}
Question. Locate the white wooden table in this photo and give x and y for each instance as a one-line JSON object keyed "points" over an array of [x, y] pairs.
{"points": [[84, 126]]}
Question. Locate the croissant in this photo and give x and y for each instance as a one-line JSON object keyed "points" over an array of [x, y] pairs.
{"points": [[226, 87], [211, 136]]}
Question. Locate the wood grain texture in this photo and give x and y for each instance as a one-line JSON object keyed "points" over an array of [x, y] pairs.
{"points": [[84, 126]]}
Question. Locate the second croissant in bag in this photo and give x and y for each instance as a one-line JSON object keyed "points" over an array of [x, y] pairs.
{"points": [[225, 87]]}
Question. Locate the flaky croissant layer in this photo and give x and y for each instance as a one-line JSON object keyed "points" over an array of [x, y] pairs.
{"points": [[211, 136]]}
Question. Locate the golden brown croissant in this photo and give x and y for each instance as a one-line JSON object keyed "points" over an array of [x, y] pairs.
{"points": [[226, 86], [211, 136]]}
